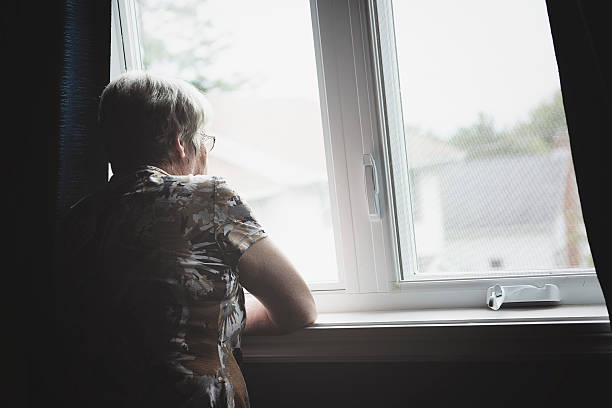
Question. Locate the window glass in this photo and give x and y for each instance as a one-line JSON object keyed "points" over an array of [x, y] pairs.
{"points": [[493, 186], [255, 61]]}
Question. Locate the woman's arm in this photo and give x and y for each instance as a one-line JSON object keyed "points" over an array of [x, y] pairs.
{"points": [[283, 302], [258, 320]]}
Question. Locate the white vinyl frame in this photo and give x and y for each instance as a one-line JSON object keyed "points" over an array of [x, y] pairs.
{"points": [[361, 115], [126, 53]]}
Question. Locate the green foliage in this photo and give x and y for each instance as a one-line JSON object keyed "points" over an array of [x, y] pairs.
{"points": [[481, 138], [176, 36], [536, 134]]}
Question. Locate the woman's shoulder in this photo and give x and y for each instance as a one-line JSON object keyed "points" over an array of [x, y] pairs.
{"points": [[226, 195], [217, 189], [219, 186], [224, 188]]}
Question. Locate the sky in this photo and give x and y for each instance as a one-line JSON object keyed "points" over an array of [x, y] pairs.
{"points": [[269, 41], [458, 58]]}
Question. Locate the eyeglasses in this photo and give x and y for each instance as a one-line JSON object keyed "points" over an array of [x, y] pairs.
{"points": [[208, 140]]}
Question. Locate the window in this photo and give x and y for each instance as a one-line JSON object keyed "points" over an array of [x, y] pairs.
{"points": [[427, 160], [484, 129]]}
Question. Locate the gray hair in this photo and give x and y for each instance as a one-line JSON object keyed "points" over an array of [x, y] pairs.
{"points": [[141, 114]]}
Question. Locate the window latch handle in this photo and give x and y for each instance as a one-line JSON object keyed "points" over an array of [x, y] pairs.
{"points": [[522, 295], [371, 185]]}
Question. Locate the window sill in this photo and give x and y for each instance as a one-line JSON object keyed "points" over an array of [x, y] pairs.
{"points": [[476, 334]]}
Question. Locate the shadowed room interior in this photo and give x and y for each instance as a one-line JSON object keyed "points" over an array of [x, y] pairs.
{"points": [[62, 54]]}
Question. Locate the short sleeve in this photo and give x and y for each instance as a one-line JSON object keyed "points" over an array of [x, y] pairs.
{"points": [[236, 227]]}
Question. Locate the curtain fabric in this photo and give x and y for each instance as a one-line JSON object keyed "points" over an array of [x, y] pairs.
{"points": [[86, 70], [581, 33], [60, 52]]}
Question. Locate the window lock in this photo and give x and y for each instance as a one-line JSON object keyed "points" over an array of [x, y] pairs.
{"points": [[371, 185]]}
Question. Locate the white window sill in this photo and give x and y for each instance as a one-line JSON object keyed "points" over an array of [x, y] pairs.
{"points": [[441, 335], [464, 316]]}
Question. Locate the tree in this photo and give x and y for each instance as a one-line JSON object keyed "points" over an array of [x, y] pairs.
{"points": [[480, 138], [537, 134], [178, 39]]}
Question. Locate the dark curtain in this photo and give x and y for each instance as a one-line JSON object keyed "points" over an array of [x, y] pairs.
{"points": [[60, 61], [581, 34], [82, 164]]}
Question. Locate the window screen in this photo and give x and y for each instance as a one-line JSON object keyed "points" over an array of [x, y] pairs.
{"points": [[492, 188]]}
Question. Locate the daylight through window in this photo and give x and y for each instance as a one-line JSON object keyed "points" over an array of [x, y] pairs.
{"points": [[492, 185], [258, 70]]}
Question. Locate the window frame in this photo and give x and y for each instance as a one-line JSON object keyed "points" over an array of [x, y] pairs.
{"points": [[126, 53], [361, 115]]}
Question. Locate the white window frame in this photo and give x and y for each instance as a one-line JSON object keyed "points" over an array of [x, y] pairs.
{"points": [[361, 116], [126, 54]]}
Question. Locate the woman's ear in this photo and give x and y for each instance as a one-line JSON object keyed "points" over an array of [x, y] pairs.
{"points": [[180, 149]]}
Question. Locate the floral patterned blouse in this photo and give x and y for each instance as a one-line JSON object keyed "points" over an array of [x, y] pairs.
{"points": [[158, 272]]}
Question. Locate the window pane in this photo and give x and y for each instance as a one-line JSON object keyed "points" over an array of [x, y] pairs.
{"points": [[492, 183], [256, 63]]}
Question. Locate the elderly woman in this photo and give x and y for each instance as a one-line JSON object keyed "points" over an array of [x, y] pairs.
{"points": [[159, 259]]}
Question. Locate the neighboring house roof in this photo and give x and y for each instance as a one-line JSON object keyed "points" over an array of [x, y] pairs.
{"points": [[265, 146], [261, 160], [289, 129], [504, 192], [257, 173]]}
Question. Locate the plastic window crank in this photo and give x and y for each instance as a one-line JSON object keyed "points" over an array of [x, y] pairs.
{"points": [[522, 295]]}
